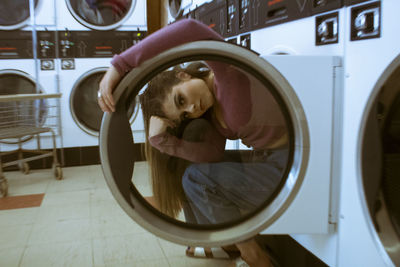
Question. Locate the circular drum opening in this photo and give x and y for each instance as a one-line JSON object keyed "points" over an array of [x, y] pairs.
{"points": [[380, 160], [18, 82], [14, 14], [83, 102], [101, 14], [252, 204], [175, 8]]}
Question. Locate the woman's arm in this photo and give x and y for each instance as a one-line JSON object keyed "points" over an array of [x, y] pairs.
{"points": [[178, 33], [181, 32], [200, 142]]}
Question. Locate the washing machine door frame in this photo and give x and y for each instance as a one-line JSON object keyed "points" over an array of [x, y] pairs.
{"points": [[74, 90], [385, 237], [99, 27], [172, 230], [26, 21]]}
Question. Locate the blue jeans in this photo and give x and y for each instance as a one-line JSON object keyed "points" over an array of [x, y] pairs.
{"points": [[225, 191]]}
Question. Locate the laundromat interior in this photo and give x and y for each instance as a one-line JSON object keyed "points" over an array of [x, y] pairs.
{"points": [[297, 164]]}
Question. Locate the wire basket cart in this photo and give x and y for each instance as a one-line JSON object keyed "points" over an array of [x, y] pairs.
{"points": [[26, 117]]}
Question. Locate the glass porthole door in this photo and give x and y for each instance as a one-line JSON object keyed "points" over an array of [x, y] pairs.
{"points": [[129, 177], [101, 14]]}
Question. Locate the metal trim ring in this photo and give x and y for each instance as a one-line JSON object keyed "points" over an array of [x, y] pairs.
{"points": [[25, 22], [385, 246], [243, 230], [71, 104], [98, 27]]}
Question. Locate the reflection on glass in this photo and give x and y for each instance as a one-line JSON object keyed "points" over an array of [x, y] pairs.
{"points": [[101, 12], [23, 113], [84, 102], [381, 165], [190, 111], [13, 12]]}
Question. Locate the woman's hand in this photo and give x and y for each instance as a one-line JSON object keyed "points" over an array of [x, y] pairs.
{"points": [[106, 87], [158, 125]]}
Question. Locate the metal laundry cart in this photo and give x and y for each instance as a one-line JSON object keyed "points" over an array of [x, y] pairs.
{"points": [[24, 117]]}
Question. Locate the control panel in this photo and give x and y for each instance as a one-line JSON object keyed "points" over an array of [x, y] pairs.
{"points": [[91, 44], [16, 45]]}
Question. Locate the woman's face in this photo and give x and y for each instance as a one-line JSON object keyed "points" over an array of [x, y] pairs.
{"points": [[188, 99]]}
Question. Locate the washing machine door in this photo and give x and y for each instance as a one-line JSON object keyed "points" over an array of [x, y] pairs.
{"points": [[14, 14], [256, 207], [18, 82], [83, 102], [379, 162], [175, 8], [101, 14]]}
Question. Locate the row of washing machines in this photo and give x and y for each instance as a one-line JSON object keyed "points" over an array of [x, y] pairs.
{"points": [[340, 208], [343, 64], [65, 47]]}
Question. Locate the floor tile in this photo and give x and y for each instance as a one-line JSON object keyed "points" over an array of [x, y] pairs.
{"points": [[62, 198], [20, 202], [74, 180], [147, 263], [10, 257], [171, 249], [114, 226], [185, 261], [60, 231], [67, 211], [14, 236], [33, 183], [130, 248], [18, 216], [59, 254], [106, 209]]}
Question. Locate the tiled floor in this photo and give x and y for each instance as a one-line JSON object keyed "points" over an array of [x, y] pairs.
{"points": [[79, 224]]}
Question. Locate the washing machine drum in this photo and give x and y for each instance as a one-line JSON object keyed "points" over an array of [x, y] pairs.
{"points": [[101, 14], [196, 218], [14, 13], [18, 82], [175, 8], [83, 102]]}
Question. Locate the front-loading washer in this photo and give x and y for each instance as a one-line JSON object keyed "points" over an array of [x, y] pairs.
{"points": [[84, 58], [81, 15], [301, 204], [368, 224], [286, 28], [16, 14], [21, 73]]}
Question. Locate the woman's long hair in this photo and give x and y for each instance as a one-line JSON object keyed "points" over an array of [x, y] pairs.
{"points": [[166, 171]]}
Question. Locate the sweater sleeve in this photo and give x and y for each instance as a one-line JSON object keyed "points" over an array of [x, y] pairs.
{"points": [[210, 149], [175, 34]]}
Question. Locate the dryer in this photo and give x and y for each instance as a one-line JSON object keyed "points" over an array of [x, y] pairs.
{"points": [[15, 14], [301, 204], [368, 225], [81, 15]]}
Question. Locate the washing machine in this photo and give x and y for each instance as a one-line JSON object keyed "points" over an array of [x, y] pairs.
{"points": [[22, 74], [16, 14], [81, 15], [301, 202], [84, 57], [285, 28], [369, 221], [303, 28]]}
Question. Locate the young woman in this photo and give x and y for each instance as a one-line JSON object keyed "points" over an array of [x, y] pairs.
{"points": [[214, 101]]}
